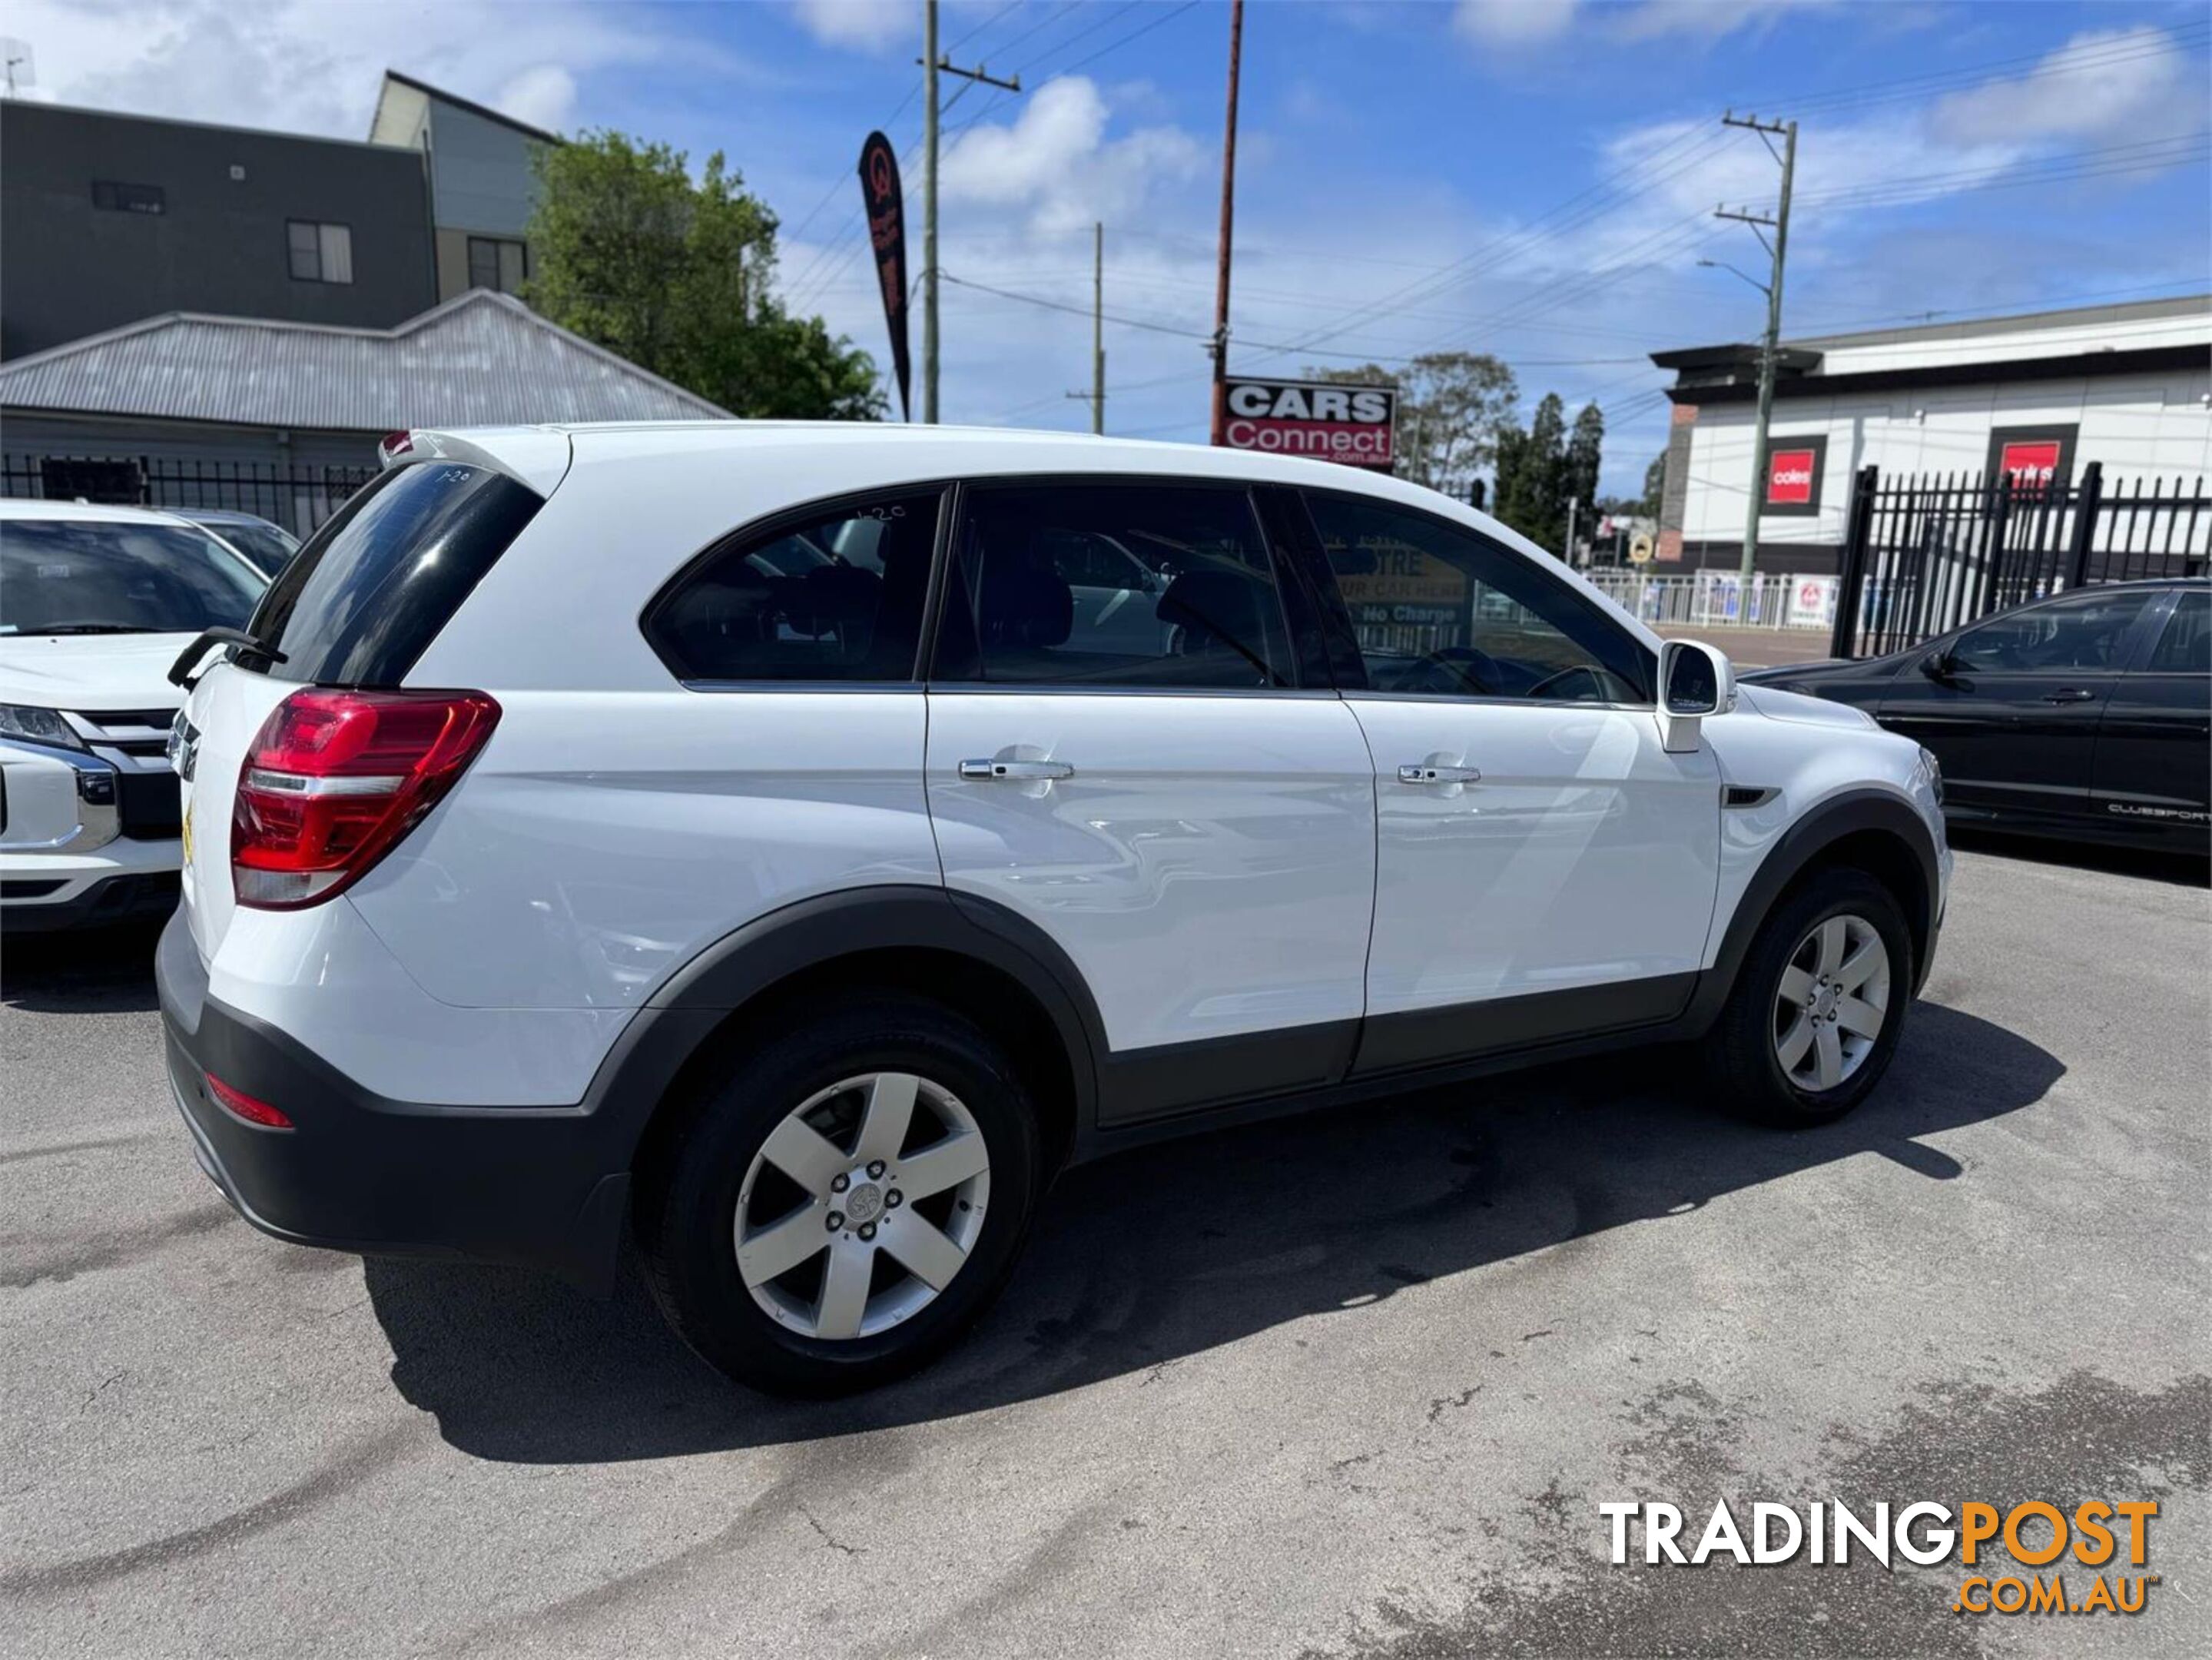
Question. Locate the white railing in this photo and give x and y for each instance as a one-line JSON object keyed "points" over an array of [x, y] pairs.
{"points": [[1716, 599]]}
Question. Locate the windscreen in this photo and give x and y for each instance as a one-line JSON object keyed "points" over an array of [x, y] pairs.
{"points": [[111, 576], [363, 599]]}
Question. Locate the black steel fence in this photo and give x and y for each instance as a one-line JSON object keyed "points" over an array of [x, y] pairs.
{"points": [[1924, 555], [297, 497]]}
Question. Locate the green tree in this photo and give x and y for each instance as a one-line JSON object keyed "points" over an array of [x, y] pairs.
{"points": [[1654, 486], [1539, 471], [678, 277], [1451, 406]]}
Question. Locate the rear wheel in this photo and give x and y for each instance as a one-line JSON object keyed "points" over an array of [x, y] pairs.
{"points": [[1819, 1003], [839, 1204]]}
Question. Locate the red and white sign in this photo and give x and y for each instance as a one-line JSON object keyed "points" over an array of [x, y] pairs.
{"points": [[1793, 476], [1812, 602], [2033, 462], [1350, 424]]}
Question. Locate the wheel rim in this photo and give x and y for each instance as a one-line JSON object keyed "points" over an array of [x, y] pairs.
{"points": [[862, 1205], [1834, 1000]]}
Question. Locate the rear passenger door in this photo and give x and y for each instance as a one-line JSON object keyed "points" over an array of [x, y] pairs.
{"points": [[1185, 808], [2153, 767], [1545, 867]]}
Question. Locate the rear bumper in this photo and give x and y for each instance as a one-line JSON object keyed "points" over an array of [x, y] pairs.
{"points": [[358, 1172]]}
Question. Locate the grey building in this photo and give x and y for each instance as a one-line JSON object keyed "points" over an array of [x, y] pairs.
{"points": [[483, 183], [283, 419], [110, 219]]}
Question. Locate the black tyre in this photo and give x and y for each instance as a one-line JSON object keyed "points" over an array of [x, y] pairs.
{"points": [[1819, 1004], [839, 1205]]}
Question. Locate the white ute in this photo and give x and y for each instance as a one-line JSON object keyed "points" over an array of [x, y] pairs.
{"points": [[96, 603], [790, 845]]}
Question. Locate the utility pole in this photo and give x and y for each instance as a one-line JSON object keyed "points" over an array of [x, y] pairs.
{"points": [[1097, 327], [1777, 250], [932, 65], [1573, 503], [1220, 422], [1096, 396]]}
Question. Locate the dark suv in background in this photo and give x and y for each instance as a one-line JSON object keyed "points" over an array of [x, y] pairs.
{"points": [[2087, 716]]}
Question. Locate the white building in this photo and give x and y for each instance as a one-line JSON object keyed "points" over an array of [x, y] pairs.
{"points": [[2129, 386]]}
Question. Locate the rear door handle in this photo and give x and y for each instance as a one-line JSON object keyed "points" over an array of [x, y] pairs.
{"points": [[1426, 774], [2070, 695], [1015, 771]]}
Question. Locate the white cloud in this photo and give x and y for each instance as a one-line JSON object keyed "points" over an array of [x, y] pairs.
{"points": [[302, 66], [1710, 20], [544, 95], [1509, 24], [1513, 22], [1055, 162], [869, 25], [2106, 83]]}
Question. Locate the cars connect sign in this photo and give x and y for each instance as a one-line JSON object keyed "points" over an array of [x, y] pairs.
{"points": [[1350, 424]]}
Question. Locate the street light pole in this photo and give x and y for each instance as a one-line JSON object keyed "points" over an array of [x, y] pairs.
{"points": [[1098, 327]]}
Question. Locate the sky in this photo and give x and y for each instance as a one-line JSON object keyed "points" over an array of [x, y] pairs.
{"points": [[1533, 179]]}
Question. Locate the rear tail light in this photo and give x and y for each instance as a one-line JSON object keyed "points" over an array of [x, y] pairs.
{"points": [[239, 1104], [335, 778]]}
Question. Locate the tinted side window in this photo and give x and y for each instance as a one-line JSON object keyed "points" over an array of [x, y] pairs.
{"points": [[2081, 631], [2186, 646], [1135, 584], [834, 595], [371, 589], [1440, 611]]}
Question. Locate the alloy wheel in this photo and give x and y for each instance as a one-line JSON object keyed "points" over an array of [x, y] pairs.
{"points": [[1832, 1001], [861, 1206]]}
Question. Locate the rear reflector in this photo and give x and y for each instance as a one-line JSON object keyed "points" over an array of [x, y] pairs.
{"points": [[239, 1104], [336, 779]]}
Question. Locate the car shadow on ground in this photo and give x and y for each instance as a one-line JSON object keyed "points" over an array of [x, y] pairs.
{"points": [[2157, 864], [106, 970], [1158, 1254]]}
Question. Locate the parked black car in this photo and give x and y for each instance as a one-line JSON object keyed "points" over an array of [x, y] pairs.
{"points": [[2087, 716]]}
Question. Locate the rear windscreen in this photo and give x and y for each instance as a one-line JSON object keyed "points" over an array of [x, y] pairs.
{"points": [[363, 599]]}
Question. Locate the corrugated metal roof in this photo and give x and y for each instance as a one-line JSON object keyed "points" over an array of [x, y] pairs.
{"points": [[483, 359]]}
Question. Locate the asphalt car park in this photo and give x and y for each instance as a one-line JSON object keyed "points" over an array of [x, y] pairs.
{"points": [[1346, 1384]]}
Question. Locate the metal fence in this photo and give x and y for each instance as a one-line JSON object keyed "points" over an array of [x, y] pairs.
{"points": [[300, 498], [1923, 555], [1716, 599]]}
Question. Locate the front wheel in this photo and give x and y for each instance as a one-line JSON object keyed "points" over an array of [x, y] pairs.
{"points": [[836, 1208], [1819, 1004]]}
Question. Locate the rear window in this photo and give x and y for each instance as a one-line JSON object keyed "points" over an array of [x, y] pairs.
{"points": [[363, 599]]}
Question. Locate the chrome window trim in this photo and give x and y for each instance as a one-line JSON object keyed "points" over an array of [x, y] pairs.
{"points": [[1369, 694]]}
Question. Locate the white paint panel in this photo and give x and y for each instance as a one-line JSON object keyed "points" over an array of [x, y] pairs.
{"points": [[1210, 866], [1585, 853], [601, 840]]}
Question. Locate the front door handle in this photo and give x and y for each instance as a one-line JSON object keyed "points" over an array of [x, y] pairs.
{"points": [[2070, 695], [1429, 774], [1015, 771]]}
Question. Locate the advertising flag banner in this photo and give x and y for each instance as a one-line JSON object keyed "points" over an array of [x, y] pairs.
{"points": [[886, 209], [1350, 424]]}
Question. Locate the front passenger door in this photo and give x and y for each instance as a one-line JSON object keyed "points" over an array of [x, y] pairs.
{"points": [[1545, 868], [2011, 706]]}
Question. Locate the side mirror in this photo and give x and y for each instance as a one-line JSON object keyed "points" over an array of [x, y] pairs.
{"points": [[1695, 680], [1938, 665]]}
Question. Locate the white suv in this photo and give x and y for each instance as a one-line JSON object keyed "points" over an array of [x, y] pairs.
{"points": [[95, 603], [741, 837]]}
